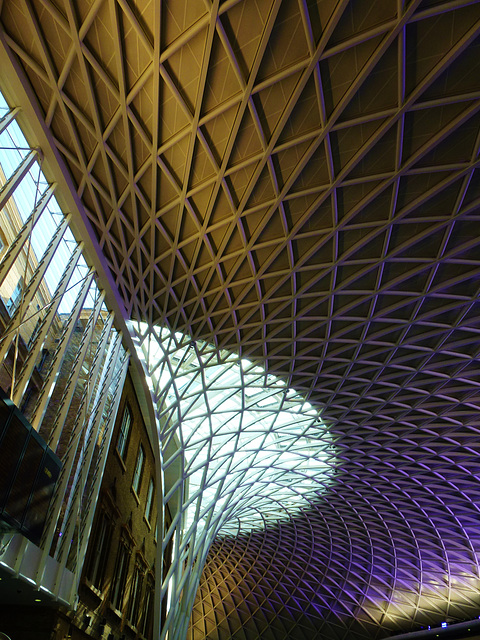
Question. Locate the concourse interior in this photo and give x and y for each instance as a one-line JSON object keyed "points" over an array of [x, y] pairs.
{"points": [[278, 207]]}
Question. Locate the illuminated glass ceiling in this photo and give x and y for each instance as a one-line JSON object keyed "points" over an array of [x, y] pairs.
{"points": [[254, 451]]}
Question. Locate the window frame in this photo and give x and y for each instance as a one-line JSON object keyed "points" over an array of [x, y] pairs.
{"points": [[149, 502], [100, 545], [146, 620], [124, 432], [135, 597], [12, 303], [138, 471], [120, 575]]}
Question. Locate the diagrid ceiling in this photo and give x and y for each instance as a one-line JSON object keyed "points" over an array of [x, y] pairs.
{"points": [[298, 181]]}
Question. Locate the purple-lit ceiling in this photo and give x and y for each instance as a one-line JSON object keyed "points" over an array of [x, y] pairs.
{"points": [[299, 180]]}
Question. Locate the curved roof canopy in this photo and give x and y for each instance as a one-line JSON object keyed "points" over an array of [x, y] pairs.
{"points": [[297, 182]]}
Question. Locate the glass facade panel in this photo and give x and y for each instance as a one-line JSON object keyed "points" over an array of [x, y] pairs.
{"points": [[61, 359]]}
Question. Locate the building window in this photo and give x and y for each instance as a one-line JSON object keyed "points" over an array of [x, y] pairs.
{"points": [[136, 594], [12, 303], [149, 503], [95, 572], [137, 476], [146, 627], [120, 576], [124, 432]]}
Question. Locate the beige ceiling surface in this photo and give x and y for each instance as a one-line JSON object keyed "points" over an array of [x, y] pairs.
{"points": [[297, 180]]}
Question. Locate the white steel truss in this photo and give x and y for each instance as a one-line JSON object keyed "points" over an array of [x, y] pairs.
{"points": [[242, 450]]}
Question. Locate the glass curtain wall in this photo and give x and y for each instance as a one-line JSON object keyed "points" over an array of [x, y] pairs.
{"points": [[61, 359]]}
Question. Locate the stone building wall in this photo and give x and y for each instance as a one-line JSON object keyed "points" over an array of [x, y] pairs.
{"points": [[116, 592], [115, 600]]}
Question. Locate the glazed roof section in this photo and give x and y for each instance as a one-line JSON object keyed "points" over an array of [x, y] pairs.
{"points": [[253, 451]]}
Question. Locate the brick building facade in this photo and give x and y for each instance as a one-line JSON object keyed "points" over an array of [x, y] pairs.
{"points": [[116, 594]]}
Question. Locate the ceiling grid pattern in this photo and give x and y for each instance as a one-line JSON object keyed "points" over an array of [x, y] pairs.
{"points": [[298, 182]]}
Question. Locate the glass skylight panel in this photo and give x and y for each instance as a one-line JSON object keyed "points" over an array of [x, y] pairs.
{"points": [[13, 149], [243, 432]]}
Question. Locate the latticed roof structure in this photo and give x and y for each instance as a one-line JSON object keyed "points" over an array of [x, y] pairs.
{"points": [[289, 188]]}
